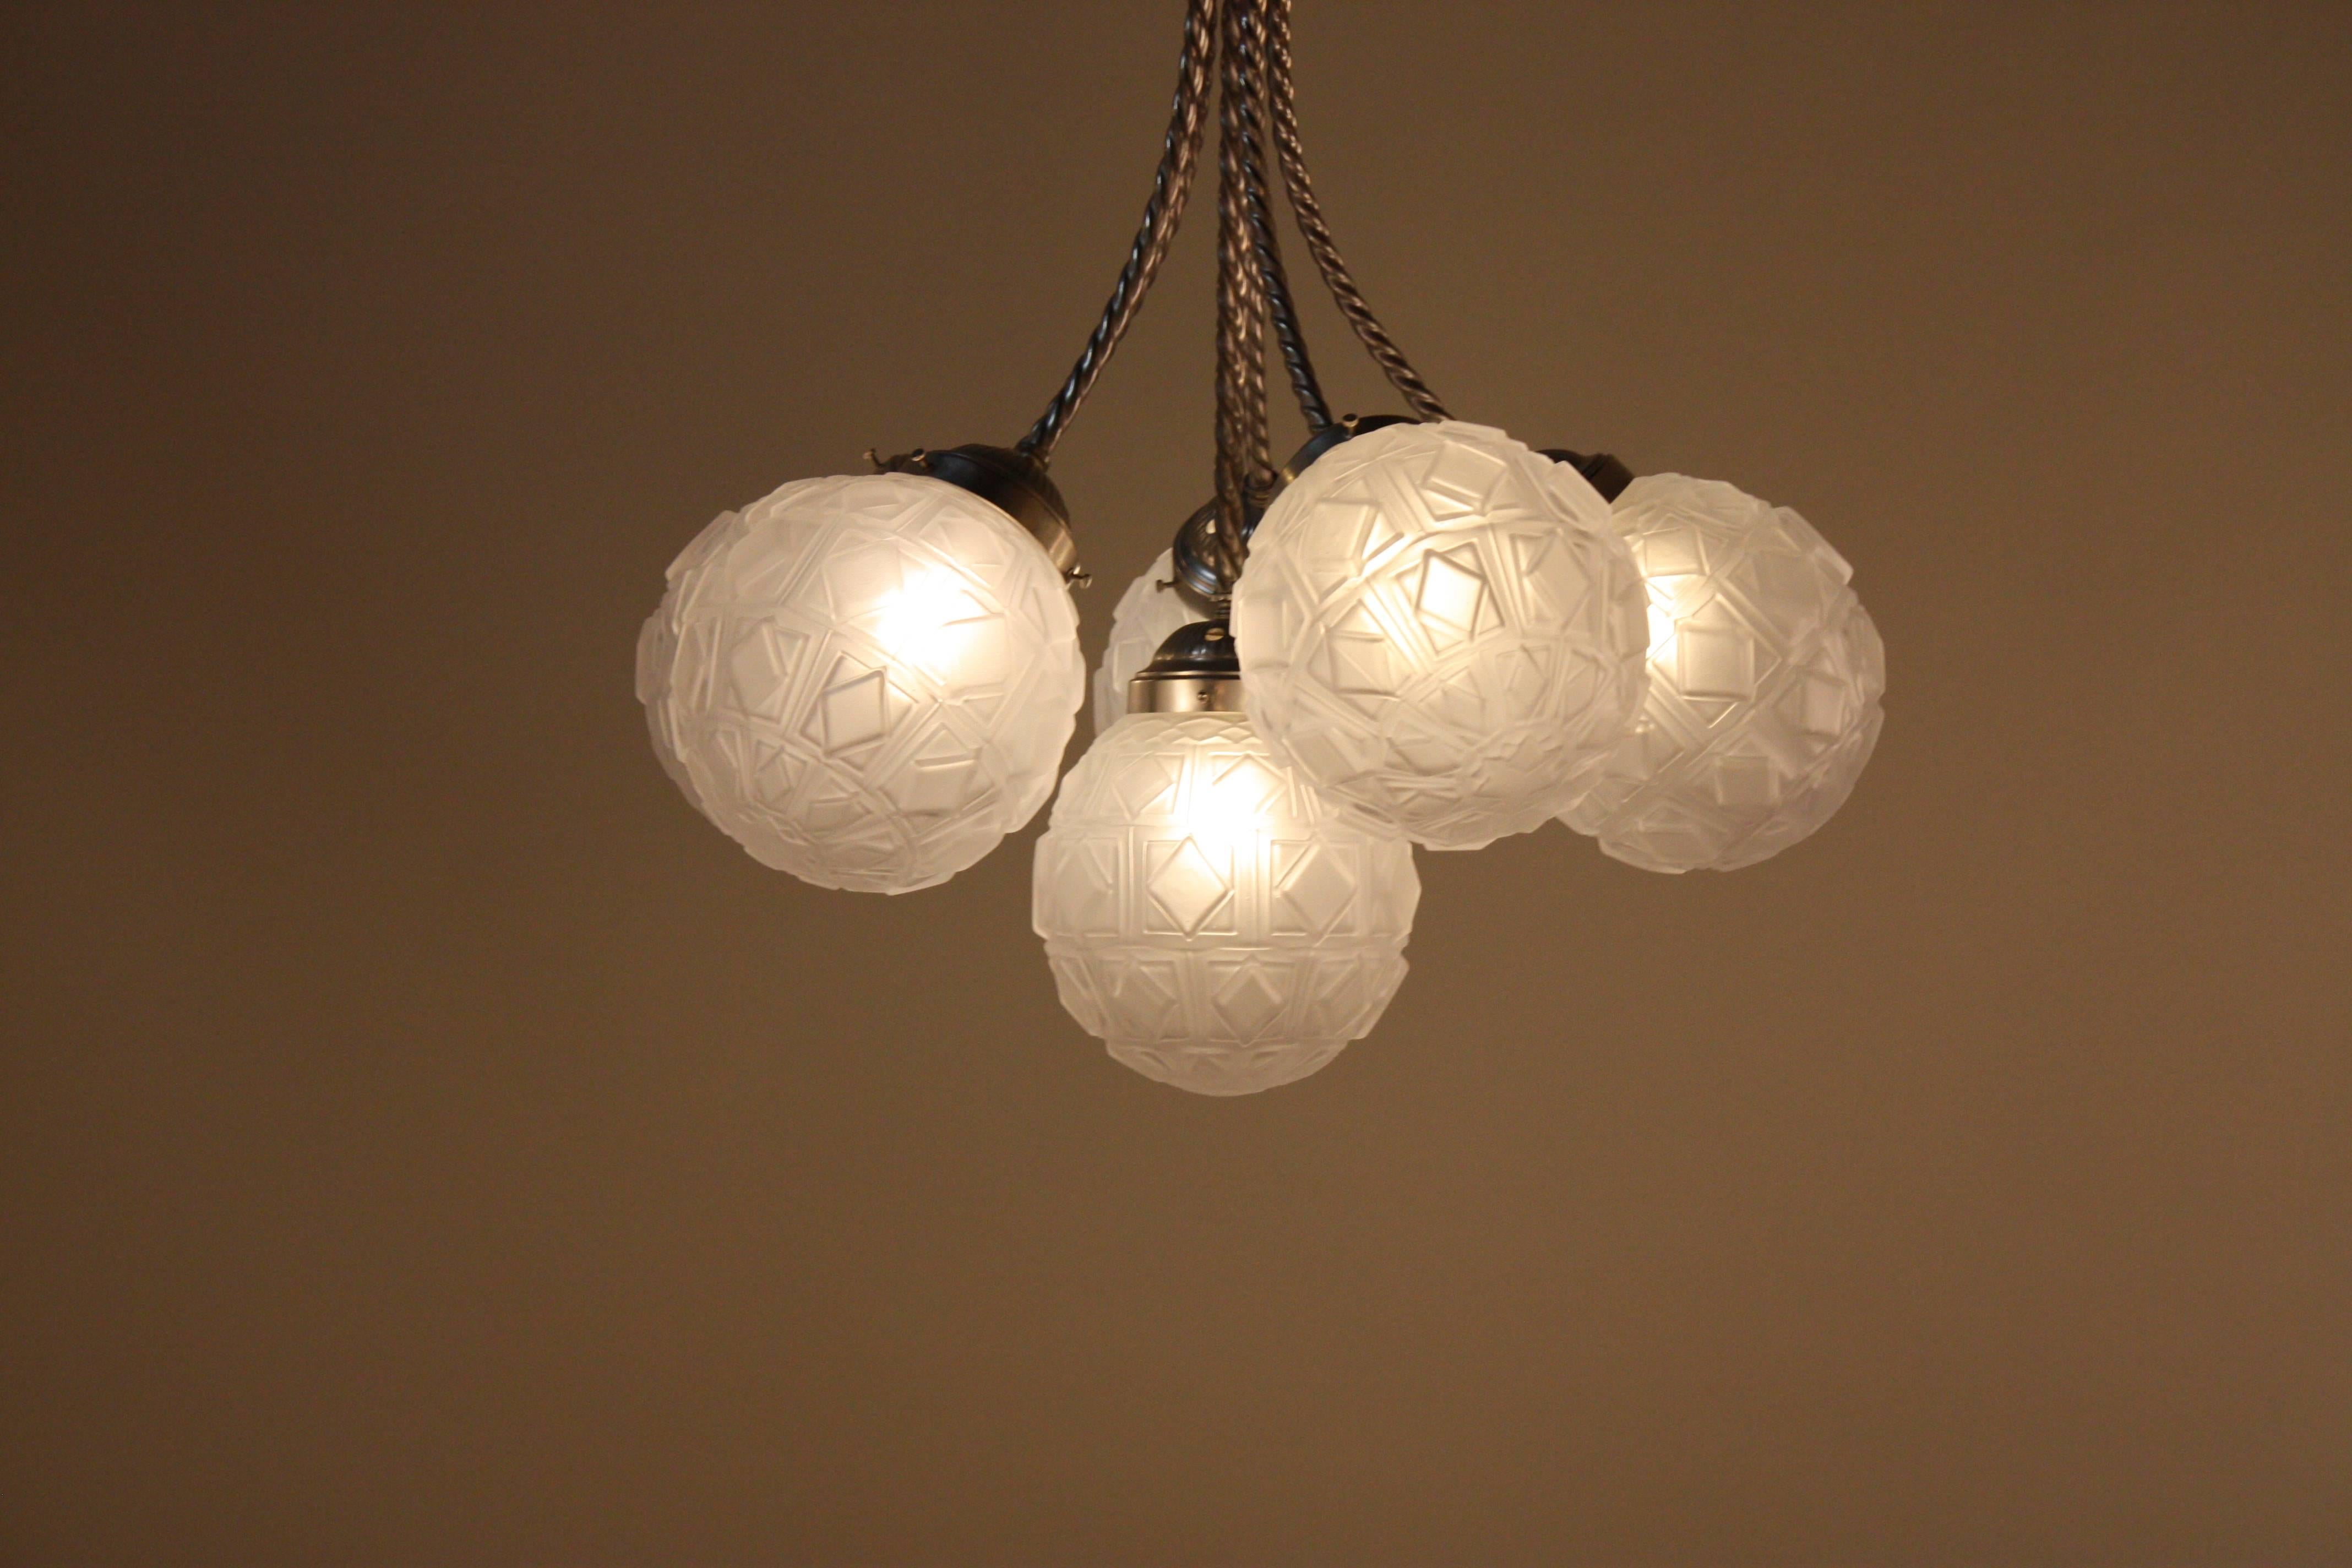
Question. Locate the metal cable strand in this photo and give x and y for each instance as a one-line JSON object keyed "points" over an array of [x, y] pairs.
{"points": [[1245, 460], [1240, 56], [1317, 234], [1170, 184], [1273, 279]]}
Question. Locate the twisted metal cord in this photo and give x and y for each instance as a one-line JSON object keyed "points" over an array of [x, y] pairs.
{"points": [[1239, 59], [1273, 279], [1244, 457], [1170, 184], [1317, 234]]}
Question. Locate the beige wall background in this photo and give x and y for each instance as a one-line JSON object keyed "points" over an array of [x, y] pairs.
{"points": [[424, 1141]]}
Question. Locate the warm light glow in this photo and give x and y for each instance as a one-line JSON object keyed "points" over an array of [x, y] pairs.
{"points": [[1440, 627], [1207, 915], [1765, 680], [1663, 591], [1229, 808], [866, 682], [931, 621]]}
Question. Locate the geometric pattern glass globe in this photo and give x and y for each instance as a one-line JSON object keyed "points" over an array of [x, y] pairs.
{"points": [[1153, 608], [1208, 916], [1441, 629], [866, 680], [1765, 682]]}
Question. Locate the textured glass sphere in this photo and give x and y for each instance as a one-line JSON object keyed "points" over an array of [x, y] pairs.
{"points": [[1765, 680], [658, 657], [1439, 628], [864, 680], [1208, 916], [1152, 610]]}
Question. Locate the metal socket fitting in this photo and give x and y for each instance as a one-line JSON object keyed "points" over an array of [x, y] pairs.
{"points": [[1196, 670]]}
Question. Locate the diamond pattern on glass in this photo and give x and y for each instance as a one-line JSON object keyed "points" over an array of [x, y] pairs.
{"points": [[1442, 631], [1187, 885], [1233, 931], [1766, 677], [866, 682]]}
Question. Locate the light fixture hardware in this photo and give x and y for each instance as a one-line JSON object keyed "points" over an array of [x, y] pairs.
{"points": [[1417, 630]]}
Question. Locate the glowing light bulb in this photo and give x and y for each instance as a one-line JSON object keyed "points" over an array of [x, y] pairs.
{"points": [[1208, 916], [1439, 628], [933, 622], [864, 680], [1765, 683]]}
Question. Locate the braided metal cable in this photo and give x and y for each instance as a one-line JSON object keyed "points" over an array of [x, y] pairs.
{"points": [[1170, 185], [1305, 385], [1244, 454], [1240, 58], [1273, 279], [1317, 233]]}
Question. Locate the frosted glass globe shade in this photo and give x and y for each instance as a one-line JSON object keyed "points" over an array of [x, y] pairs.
{"points": [[1765, 681], [1208, 916], [865, 680], [658, 658], [1441, 628], [1152, 609]]}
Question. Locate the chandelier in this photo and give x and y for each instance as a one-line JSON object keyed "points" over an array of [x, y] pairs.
{"points": [[1416, 631]]}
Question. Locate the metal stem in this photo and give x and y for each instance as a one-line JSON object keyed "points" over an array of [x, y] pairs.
{"points": [[1317, 234], [1245, 456], [1170, 184], [1273, 276]]}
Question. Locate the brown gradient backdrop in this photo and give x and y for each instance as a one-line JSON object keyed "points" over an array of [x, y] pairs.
{"points": [[426, 1141]]}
